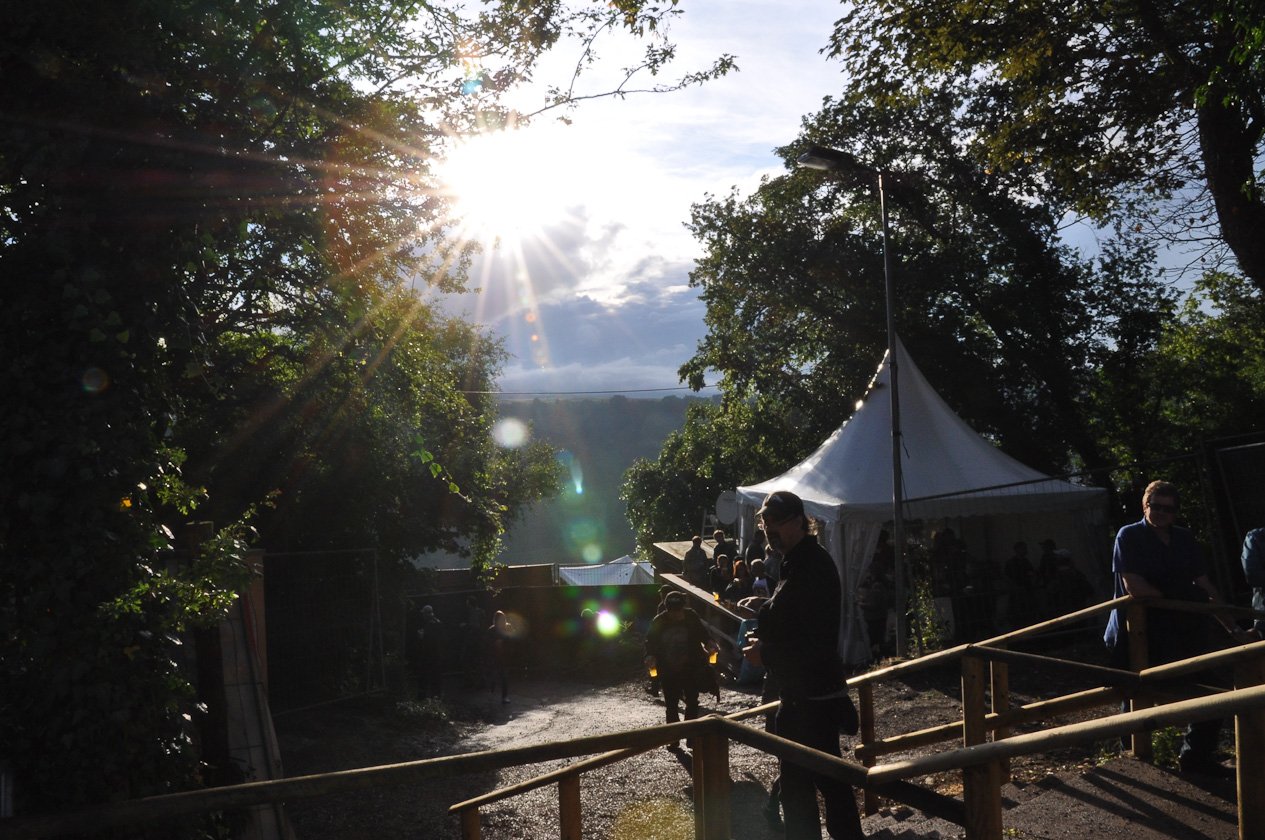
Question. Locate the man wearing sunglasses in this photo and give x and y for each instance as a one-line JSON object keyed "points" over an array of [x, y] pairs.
{"points": [[797, 638], [1155, 558]]}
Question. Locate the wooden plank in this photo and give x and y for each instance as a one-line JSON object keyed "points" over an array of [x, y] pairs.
{"points": [[713, 750], [865, 700], [678, 730], [927, 801], [981, 783], [1038, 710], [470, 824], [1218, 658], [999, 694], [1201, 708], [1098, 673], [1135, 626], [1249, 740], [155, 809], [569, 815], [950, 655]]}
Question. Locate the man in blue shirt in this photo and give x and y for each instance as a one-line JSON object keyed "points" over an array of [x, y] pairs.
{"points": [[1254, 569], [1155, 558]]}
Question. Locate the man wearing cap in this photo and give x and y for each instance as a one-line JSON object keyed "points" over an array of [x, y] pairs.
{"points": [[797, 640], [677, 645]]}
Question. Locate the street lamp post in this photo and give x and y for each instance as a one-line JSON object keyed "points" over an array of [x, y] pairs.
{"points": [[833, 160]]}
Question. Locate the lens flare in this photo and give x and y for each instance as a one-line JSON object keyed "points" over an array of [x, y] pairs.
{"points": [[592, 553], [518, 626], [95, 380], [511, 433], [607, 624], [662, 819]]}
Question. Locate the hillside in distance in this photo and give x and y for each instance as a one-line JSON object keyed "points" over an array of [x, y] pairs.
{"points": [[597, 439]]}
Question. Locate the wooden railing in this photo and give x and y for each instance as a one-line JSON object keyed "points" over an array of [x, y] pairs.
{"points": [[983, 763], [985, 701]]}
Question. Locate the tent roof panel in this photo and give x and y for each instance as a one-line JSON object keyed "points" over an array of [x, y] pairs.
{"points": [[850, 475]]}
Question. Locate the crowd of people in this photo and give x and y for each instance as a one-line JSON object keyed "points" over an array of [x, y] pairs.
{"points": [[787, 581], [484, 648], [796, 638], [740, 579]]}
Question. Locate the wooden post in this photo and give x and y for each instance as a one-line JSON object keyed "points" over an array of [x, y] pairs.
{"points": [[1249, 748], [700, 794], [470, 824], [1135, 626], [865, 697], [711, 780], [981, 783], [569, 806], [999, 693]]}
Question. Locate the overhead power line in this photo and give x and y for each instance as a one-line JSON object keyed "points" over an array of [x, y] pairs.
{"points": [[579, 393]]}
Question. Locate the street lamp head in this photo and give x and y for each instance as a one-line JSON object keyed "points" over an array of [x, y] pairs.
{"points": [[832, 160]]}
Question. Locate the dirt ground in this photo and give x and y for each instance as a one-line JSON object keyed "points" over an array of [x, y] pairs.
{"points": [[647, 796]]}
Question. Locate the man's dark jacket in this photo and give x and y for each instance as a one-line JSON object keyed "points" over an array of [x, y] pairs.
{"points": [[799, 626]]}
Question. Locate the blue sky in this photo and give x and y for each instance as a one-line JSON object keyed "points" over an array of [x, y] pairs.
{"points": [[591, 294]]}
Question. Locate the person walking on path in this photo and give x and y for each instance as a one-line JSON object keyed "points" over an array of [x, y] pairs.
{"points": [[500, 636], [677, 646], [797, 641], [426, 654]]}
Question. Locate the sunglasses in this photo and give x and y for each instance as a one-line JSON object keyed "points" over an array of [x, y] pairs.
{"points": [[1160, 507]]}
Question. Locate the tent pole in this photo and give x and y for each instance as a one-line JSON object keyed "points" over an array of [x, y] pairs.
{"points": [[898, 502]]}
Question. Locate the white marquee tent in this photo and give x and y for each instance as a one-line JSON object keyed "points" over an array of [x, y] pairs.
{"points": [[622, 571], [949, 472]]}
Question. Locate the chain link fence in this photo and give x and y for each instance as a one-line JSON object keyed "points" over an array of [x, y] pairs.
{"points": [[324, 625]]}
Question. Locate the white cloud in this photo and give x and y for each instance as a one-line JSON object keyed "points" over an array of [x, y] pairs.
{"points": [[605, 293]]}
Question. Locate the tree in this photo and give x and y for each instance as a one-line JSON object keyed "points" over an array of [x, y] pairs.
{"points": [[720, 447], [1151, 113], [988, 297], [206, 213]]}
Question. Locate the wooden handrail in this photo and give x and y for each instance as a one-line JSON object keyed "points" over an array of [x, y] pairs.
{"points": [[1227, 656], [588, 764], [953, 653], [232, 797], [888, 779], [1027, 713], [1201, 708], [1102, 674], [1200, 607], [936, 804]]}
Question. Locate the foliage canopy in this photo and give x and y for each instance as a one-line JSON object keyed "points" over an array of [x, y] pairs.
{"points": [[210, 217]]}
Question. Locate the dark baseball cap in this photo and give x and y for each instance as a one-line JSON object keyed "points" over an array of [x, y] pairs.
{"points": [[781, 505]]}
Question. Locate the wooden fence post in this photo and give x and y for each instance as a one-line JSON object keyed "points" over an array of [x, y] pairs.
{"points": [[865, 698], [711, 785], [1249, 747], [470, 824], [999, 693], [569, 806], [1135, 626], [981, 783]]}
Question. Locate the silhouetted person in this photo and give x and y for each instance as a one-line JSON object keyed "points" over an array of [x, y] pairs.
{"points": [[797, 640], [676, 646]]}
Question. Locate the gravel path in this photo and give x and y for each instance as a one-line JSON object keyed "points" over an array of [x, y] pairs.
{"points": [[646, 797]]}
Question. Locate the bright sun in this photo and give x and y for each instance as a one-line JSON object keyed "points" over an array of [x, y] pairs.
{"points": [[511, 185]]}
